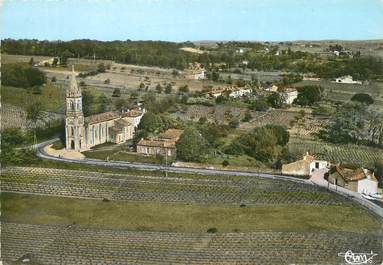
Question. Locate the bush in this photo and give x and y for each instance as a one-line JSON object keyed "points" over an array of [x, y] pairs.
{"points": [[116, 92], [212, 230], [363, 98], [225, 163]]}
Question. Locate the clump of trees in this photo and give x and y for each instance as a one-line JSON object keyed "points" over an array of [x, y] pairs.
{"points": [[21, 75], [309, 95], [265, 144], [354, 123], [363, 98], [192, 146], [93, 103]]}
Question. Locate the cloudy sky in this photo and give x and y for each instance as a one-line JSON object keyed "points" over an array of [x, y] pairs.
{"points": [[181, 20]]}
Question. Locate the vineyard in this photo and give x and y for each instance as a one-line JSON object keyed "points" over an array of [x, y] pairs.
{"points": [[61, 216], [16, 117], [349, 154], [222, 190], [279, 117], [68, 245], [308, 127]]}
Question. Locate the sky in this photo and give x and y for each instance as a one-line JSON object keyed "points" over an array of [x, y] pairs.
{"points": [[193, 20]]}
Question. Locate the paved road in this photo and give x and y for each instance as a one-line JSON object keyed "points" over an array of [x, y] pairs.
{"points": [[143, 166], [151, 167]]}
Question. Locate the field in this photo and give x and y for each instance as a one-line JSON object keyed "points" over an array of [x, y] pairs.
{"points": [[52, 97], [349, 154], [114, 218], [184, 218], [279, 117], [344, 92], [7, 58]]}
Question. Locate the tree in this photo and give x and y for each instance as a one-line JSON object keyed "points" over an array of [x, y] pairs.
{"points": [[151, 122], [259, 105], [159, 88], [120, 103], [64, 56], [191, 146], [101, 68], [116, 92], [378, 170], [275, 100], [247, 117], [363, 98], [215, 76], [168, 89], [184, 89], [263, 143], [19, 75], [234, 123], [87, 102], [35, 112], [308, 95], [141, 86]]}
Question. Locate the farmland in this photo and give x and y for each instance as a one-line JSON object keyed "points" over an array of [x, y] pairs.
{"points": [[348, 154], [344, 92], [127, 217]]}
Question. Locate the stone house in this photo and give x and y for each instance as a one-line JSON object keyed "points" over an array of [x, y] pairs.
{"points": [[164, 144], [304, 167], [359, 180]]}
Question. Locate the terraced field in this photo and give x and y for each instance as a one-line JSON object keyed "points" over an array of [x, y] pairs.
{"points": [[52, 245], [349, 154]]}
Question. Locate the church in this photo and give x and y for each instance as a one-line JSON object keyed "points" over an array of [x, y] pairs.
{"points": [[82, 133]]}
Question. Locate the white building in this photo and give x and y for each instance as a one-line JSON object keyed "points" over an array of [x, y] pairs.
{"points": [[289, 95], [240, 92], [346, 80], [360, 180], [304, 167]]}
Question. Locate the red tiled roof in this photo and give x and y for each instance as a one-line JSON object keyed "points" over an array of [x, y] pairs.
{"points": [[97, 118]]}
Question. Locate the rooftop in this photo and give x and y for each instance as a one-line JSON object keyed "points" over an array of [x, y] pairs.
{"points": [[171, 134], [102, 117]]}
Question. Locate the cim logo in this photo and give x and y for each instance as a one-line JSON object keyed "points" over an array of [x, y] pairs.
{"points": [[358, 258]]}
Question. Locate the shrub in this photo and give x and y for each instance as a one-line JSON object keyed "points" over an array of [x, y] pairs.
{"points": [[363, 98], [212, 230], [225, 163]]}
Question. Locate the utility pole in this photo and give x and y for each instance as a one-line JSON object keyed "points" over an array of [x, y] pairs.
{"points": [[166, 162]]}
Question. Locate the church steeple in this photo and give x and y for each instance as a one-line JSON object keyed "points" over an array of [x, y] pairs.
{"points": [[74, 120], [73, 89]]}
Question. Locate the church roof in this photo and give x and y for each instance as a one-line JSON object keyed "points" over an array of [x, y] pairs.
{"points": [[97, 118], [73, 90]]}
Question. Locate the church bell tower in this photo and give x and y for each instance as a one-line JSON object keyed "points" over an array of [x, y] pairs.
{"points": [[74, 119]]}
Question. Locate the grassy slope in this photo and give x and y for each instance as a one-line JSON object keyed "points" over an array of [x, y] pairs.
{"points": [[52, 97], [183, 217]]}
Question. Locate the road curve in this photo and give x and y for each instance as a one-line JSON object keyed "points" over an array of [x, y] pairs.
{"points": [[356, 197], [151, 167]]}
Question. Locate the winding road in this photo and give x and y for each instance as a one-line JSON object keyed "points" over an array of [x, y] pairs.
{"points": [[374, 208]]}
